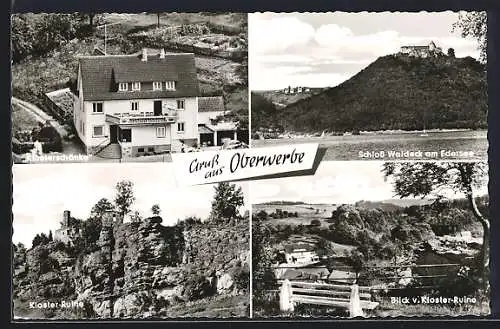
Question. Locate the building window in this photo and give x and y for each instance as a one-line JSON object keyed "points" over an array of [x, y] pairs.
{"points": [[136, 86], [151, 149], [170, 85], [140, 149], [96, 107], [135, 106], [180, 104], [160, 132], [98, 131], [123, 86], [156, 85], [180, 127]]}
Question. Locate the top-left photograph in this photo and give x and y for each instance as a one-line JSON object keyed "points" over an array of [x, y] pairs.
{"points": [[127, 87]]}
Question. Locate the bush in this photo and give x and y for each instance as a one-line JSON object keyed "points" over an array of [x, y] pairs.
{"points": [[315, 222], [197, 287], [242, 278], [262, 215]]}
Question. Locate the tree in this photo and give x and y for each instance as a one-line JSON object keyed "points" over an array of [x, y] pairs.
{"points": [[124, 196], [101, 207], [474, 24], [50, 238], [39, 239], [356, 260], [315, 222], [263, 276], [262, 215], [451, 52], [155, 209], [91, 230], [437, 178], [227, 199]]}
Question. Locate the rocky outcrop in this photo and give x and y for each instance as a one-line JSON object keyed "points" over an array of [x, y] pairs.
{"points": [[139, 269], [220, 253]]}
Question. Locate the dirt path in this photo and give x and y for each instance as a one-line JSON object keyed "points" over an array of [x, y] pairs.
{"points": [[40, 115]]}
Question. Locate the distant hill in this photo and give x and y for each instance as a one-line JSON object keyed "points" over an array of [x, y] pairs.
{"points": [[393, 92], [282, 203], [392, 204]]}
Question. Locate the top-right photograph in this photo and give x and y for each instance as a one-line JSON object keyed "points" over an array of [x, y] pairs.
{"points": [[371, 86]]}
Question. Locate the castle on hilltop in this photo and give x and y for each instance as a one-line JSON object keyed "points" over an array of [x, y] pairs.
{"points": [[431, 50]]}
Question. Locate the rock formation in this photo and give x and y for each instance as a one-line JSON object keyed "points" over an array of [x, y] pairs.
{"points": [[137, 270]]}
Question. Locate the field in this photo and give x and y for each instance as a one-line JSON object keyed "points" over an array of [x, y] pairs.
{"points": [[306, 213]]}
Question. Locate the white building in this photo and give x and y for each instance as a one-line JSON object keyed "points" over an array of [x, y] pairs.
{"points": [[299, 255], [212, 129], [130, 105]]}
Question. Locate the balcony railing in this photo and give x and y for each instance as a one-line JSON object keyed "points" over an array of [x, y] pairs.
{"points": [[143, 118]]}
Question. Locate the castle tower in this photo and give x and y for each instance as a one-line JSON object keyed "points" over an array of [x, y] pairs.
{"points": [[107, 219], [66, 222], [432, 46]]}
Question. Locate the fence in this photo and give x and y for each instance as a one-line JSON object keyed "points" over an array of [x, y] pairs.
{"points": [[351, 297], [59, 104]]}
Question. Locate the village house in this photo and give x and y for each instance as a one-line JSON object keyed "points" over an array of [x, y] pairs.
{"points": [[429, 50], [140, 104], [301, 255]]}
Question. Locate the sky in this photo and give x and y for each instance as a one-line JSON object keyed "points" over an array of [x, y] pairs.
{"points": [[43, 191], [335, 182], [325, 49]]}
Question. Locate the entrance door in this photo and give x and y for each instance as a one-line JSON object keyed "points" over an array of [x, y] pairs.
{"points": [[126, 135], [113, 134], [157, 107]]}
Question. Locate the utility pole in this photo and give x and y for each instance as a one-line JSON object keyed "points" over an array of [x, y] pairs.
{"points": [[105, 26]]}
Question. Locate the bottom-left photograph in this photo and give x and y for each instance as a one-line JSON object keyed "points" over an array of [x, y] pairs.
{"points": [[107, 241]]}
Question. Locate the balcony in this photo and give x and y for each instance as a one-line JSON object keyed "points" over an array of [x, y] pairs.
{"points": [[141, 118]]}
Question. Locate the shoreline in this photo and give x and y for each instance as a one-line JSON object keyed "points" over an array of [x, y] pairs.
{"points": [[290, 135]]}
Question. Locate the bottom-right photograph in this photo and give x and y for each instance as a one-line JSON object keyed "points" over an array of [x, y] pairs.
{"points": [[372, 239]]}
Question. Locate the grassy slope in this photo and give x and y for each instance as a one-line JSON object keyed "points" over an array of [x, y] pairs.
{"points": [[213, 307], [22, 119], [146, 20], [392, 93]]}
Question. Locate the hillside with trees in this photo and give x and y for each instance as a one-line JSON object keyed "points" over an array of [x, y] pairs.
{"points": [[393, 92], [45, 48]]}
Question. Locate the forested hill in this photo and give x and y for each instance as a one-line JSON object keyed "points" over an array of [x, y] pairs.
{"points": [[393, 92]]}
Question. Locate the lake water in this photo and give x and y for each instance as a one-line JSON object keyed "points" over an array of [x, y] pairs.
{"points": [[447, 145]]}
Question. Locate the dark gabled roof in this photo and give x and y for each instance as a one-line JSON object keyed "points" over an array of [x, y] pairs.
{"points": [[204, 130], [210, 104], [100, 74], [292, 247]]}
